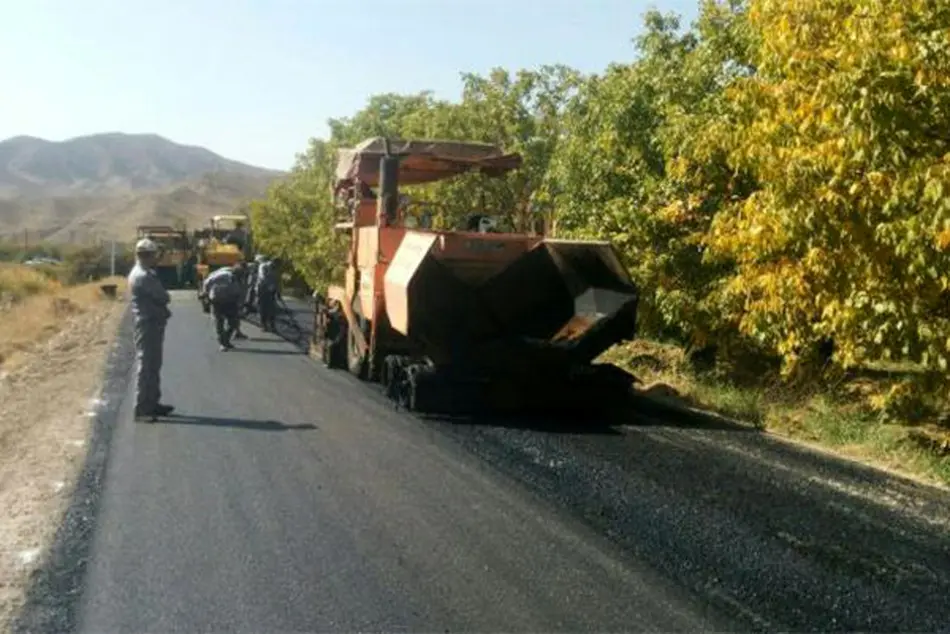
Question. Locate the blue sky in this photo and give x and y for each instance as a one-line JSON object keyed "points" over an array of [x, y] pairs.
{"points": [[254, 79]]}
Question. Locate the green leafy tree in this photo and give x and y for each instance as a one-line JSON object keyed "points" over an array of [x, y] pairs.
{"points": [[845, 126], [643, 164], [519, 112], [383, 115], [295, 221]]}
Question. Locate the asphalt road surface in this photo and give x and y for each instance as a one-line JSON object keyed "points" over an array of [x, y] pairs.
{"points": [[287, 497]]}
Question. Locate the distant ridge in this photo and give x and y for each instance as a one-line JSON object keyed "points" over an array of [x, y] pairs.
{"points": [[104, 184]]}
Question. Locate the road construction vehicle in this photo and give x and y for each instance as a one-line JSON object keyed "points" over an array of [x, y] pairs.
{"points": [[174, 252], [455, 322], [225, 242]]}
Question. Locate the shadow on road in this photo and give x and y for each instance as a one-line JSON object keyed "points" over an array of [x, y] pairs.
{"points": [[254, 425], [637, 412], [265, 351], [644, 412]]}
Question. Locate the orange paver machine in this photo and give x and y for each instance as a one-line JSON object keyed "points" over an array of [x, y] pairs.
{"points": [[457, 321]]}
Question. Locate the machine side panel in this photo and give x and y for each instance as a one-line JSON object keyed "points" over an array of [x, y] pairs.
{"points": [[366, 257], [409, 256]]}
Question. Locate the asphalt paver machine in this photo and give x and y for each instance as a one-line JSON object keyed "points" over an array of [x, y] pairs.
{"points": [[462, 321], [225, 242]]}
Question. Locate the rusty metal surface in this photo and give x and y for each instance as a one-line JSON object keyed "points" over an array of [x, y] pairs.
{"points": [[423, 161]]}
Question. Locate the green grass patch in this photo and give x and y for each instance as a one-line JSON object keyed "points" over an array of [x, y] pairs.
{"points": [[838, 419]]}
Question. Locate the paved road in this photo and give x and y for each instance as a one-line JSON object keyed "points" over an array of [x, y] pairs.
{"points": [[290, 498], [281, 500]]}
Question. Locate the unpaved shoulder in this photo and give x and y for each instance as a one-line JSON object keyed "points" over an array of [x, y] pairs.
{"points": [[45, 421]]}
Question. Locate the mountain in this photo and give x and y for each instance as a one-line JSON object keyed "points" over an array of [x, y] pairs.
{"points": [[106, 163], [104, 185]]}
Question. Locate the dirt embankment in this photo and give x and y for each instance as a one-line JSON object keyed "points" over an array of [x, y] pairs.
{"points": [[54, 344]]}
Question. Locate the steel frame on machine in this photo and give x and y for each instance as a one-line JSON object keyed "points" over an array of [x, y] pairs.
{"points": [[414, 301]]}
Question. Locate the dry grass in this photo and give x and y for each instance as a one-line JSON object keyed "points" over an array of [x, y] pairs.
{"points": [[45, 403], [837, 420], [34, 307], [53, 340], [18, 281]]}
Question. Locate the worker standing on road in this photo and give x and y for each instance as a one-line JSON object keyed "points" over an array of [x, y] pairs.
{"points": [[267, 290], [223, 288], [149, 301], [252, 273]]}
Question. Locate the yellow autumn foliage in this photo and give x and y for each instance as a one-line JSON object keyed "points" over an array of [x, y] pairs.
{"points": [[776, 176], [846, 131]]}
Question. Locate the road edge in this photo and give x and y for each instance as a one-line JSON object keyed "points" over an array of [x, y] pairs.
{"points": [[659, 407], [56, 586]]}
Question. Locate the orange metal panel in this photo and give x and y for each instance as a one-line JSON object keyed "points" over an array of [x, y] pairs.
{"points": [[410, 254], [365, 213], [350, 283], [475, 257], [367, 286], [485, 246], [389, 240], [367, 246]]}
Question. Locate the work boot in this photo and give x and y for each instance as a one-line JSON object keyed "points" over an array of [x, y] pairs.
{"points": [[224, 347], [143, 415], [164, 410]]}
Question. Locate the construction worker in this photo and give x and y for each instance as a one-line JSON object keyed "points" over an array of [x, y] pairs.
{"points": [[238, 236], [149, 301], [252, 272], [267, 290], [243, 276], [224, 290]]}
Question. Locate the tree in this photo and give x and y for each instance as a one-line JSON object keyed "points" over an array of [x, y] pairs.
{"points": [[519, 112], [845, 126], [383, 115], [295, 221], [643, 165]]}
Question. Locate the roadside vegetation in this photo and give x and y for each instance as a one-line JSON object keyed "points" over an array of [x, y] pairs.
{"points": [[38, 301], [53, 338], [776, 177]]}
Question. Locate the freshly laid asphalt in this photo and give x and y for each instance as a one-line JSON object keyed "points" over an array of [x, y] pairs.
{"points": [[283, 496]]}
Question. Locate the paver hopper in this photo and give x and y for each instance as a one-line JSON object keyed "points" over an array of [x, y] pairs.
{"points": [[174, 251], [450, 321]]}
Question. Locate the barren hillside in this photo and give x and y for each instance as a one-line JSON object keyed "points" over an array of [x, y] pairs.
{"points": [[104, 185]]}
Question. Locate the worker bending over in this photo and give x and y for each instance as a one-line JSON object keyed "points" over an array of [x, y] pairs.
{"points": [[267, 291], [149, 301], [225, 292], [243, 276]]}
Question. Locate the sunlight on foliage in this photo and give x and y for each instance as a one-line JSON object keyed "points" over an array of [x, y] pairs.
{"points": [[776, 176]]}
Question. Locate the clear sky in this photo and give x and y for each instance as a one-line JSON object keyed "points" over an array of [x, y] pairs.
{"points": [[254, 79]]}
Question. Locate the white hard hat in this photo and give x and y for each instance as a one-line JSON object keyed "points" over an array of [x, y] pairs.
{"points": [[145, 246]]}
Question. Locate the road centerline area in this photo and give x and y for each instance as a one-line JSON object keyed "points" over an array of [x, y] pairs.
{"points": [[281, 499]]}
